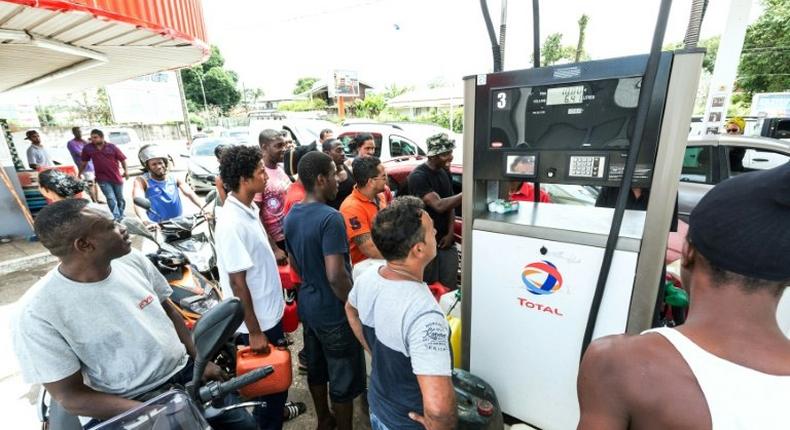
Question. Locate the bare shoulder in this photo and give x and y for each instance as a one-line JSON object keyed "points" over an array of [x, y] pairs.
{"points": [[627, 361]]}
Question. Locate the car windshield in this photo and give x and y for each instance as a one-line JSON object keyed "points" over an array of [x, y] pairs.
{"points": [[119, 138], [205, 148]]}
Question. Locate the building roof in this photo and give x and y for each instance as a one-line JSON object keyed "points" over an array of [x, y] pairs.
{"points": [[63, 46], [432, 97]]}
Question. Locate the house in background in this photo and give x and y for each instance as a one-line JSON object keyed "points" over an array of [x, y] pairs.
{"points": [[423, 101], [320, 90]]}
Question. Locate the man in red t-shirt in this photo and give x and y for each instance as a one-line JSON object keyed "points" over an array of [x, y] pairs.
{"points": [[106, 157], [525, 192]]}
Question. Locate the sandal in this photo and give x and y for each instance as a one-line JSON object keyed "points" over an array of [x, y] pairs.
{"points": [[293, 410]]}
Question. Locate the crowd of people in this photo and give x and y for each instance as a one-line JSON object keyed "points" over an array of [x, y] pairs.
{"points": [[98, 332]]}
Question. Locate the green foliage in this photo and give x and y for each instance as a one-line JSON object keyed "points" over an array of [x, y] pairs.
{"points": [[93, 108], [740, 105], [370, 107], [45, 116], [765, 61], [437, 82], [711, 46], [583, 21], [442, 119], [196, 119], [304, 84], [302, 105], [391, 115], [393, 90], [553, 51], [219, 84]]}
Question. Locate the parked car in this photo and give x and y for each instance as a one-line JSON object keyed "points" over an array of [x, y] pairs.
{"points": [[127, 141], [203, 163], [241, 134], [711, 159], [391, 140], [304, 131]]}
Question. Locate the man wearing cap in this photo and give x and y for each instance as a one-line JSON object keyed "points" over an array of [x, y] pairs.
{"points": [[37, 156], [431, 182], [728, 366]]}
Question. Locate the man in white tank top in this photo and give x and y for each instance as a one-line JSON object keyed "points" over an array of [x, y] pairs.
{"points": [[728, 366]]}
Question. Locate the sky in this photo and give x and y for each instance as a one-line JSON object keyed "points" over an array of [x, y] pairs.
{"points": [[270, 44]]}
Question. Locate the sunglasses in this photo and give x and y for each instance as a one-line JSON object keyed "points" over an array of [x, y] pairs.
{"points": [[732, 131]]}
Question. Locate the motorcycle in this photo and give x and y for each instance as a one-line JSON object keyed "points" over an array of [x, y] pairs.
{"points": [[180, 233], [186, 260], [192, 406]]}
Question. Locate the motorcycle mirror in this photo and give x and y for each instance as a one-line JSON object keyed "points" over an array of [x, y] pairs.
{"points": [[212, 330], [211, 196], [142, 202], [135, 226]]}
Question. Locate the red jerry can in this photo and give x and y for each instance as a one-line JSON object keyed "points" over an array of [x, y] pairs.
{"points": [[290, 317], [278, 357], [286, 277], [438, 290]]}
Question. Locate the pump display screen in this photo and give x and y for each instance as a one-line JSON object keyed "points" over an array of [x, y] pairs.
{"points": [[520, 165], [576, 120], [564, 95], [594, 115]]}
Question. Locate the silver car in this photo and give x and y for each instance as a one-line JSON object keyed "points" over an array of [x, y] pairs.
{"points": [[709, 160], [202, 162]]}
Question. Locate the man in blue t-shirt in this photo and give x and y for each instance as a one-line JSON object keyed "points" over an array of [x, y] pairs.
{"points": [[315, 238], [394, 314]]}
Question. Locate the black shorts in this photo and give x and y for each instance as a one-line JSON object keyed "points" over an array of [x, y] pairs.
{"points": [[334, 355]]}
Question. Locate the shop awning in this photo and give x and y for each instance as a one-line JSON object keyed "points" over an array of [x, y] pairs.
{"points": [[62, 46]]}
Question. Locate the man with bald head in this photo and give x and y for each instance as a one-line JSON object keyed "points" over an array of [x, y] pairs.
{"points": [[728, 366]]}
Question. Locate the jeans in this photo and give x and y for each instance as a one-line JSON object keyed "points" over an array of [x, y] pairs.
{"points": [[376, 424], [271, 416], [114, 194]]}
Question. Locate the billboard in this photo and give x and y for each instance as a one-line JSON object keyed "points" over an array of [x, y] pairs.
{"points": [[344, 83], [149, 99]]}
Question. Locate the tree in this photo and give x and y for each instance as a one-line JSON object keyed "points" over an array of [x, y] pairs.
{"points": [[304, 84], [711, 46], [393, 90], [553, 51], [370, 107], [437, 82], [583, 21], [765, 61], [218, 84]]}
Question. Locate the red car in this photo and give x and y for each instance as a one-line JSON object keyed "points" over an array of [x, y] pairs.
{"points": [[398, 170]]}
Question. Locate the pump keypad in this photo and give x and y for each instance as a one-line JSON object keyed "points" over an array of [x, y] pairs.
{"points": [[585, 166]]}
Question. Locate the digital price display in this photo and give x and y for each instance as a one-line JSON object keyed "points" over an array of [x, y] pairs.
{"points": [[564, 95]]}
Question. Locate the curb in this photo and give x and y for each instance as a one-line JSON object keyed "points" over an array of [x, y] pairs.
{"points": [[24, 263]]}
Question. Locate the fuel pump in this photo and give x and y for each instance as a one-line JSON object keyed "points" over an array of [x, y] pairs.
{"points": [[539, 284]]}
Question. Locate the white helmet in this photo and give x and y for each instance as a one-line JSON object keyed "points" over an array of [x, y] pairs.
{"points": [[151, 151]]}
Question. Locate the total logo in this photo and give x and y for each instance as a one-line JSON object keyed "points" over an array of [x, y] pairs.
{"points": [[541, 278]]}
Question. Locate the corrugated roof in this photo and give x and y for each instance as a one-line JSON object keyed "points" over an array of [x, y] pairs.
{"points": [[134, 37]]}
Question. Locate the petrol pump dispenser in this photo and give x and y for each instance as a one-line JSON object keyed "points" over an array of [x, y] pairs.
{"points": [[531, 297]]}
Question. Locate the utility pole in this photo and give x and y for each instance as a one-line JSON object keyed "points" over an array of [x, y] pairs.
{"points": [[184, 108]]}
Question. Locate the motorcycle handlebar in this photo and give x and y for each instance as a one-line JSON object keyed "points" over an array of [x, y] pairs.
{"points": [[216, 391]]}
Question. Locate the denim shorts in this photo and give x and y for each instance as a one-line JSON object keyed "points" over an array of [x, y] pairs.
{"points": [[335, 356]]}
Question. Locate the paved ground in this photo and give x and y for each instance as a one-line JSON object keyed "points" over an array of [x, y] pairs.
{"points": [[18, 399]]}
